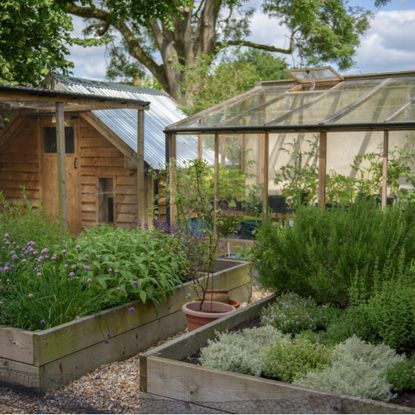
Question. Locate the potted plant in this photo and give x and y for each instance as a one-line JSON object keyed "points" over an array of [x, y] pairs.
{"points": [[195, 198]]}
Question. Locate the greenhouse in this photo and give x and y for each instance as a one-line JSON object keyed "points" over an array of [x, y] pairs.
{"points": [[319, 121]]}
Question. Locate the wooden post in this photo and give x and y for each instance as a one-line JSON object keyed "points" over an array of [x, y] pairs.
{"points": [[141, 190], [243, 153], [171, 158], [60, 145], [222, 151], [322, 167], [264, 162], [216, 176], [385, 169], [199, 148]]}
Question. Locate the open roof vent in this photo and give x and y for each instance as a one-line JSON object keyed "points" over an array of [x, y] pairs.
{"points": [[312, 77]]}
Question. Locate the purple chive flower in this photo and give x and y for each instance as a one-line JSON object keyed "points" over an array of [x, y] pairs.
{"points": [[6, 268], [78, 247], [44, 251], [2, 270], [71, 274], [42, 322], [109, 334], [53, 257], [30, 295], [64, 251], [135, 283], [131, 310], [87, 267], [14, 257], [73, 266]]}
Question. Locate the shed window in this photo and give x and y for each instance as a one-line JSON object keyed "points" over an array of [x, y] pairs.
{"points": [[49, 136], [105, 201]]}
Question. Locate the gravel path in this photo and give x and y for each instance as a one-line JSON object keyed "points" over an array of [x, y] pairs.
{"points": [[112, 388]]}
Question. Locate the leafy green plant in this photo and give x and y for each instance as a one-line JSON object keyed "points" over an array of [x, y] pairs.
{"points": [[402, 375], [129, 264], [25, 222], [291, 313], [324, 250], [241, 352], [299, 177], [390, 311], [43, 286], [290, 359], [357, 368]]}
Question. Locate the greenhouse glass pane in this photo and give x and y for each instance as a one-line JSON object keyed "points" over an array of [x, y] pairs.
{"points": [[332, 102], [408, 114], [383, 103], [219, 114], [276, 108]]}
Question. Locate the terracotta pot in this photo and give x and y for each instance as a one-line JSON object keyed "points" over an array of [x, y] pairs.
{"points": [[235, 303], [211, 310], [217, 295]]}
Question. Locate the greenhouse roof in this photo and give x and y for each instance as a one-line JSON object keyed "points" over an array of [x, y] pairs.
{"points": [[318, 99]]}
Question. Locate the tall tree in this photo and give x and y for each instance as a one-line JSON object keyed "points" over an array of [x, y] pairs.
{"points": [[166, 36], [34, 35], [205, 85]]}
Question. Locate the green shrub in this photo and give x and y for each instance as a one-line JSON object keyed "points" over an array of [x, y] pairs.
{"points": [[388, 316], [291, 313], [391, 312], [24, 222], [41, 287], [352, 321], [129, 264], [402, 375], [325, 249], [357, 368], [290, 359], [241, 352]]}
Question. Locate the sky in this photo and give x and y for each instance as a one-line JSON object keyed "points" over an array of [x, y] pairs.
{"points": [[389, 44]]}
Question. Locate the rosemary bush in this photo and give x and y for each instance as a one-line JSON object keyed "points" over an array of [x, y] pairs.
{"points": [[324, 250]]}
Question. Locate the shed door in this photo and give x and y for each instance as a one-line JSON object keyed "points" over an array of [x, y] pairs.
{"points": [[50, 191]]}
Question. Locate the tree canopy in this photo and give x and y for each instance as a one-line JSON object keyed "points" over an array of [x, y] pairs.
{"points": [[168, 37], [34, 35], [205, 85]]}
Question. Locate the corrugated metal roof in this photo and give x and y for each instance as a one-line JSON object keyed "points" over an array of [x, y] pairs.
{"points": [[163, 111]]}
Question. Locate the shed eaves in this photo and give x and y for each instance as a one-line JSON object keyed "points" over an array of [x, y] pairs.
{"points": [[123, 122]]}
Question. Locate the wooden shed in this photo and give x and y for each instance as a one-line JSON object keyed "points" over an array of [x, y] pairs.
{"points": [[91, 176]]}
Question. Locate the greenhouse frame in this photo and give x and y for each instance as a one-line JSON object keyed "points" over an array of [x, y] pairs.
{"points": [[318, 101]]}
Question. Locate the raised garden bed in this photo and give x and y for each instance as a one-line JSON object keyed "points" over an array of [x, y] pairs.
{"points": [[163, 372], [46, 359]]}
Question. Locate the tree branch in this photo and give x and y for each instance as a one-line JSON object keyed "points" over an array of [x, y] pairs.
{"points": [[134, 47], [247, 43]]}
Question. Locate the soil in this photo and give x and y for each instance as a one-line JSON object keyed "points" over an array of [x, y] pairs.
{"points": [[405, 399]]}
